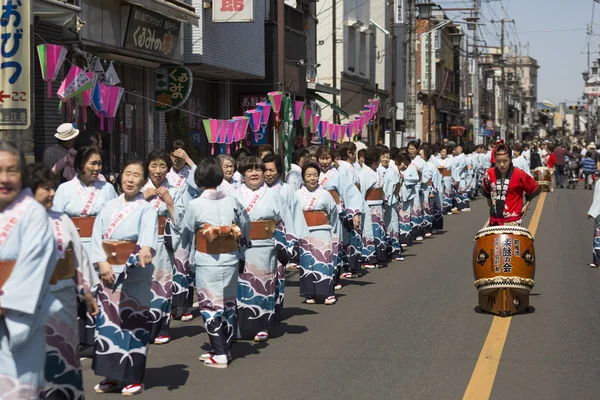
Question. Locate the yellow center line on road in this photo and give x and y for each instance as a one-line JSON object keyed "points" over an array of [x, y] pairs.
{"points": [[482, 381]]}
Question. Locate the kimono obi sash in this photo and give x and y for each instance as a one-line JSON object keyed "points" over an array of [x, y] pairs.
{"points": [[316, 218], [217, 239], [445, 172], [84, 225], [162, 221], [65, 268], [118, 251], [374, 194], [357, 186], [6, 267], [263, 229], [336, 196]]}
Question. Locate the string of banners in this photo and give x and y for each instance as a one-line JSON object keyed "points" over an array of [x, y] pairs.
{"points": [[93, 87], [232, 132]]}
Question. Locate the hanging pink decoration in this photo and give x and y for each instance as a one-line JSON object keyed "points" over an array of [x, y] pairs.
{"points": [[243, 123], [255, 118], [231, 127], [323, 129], [368, 115], [314, 124], [211, 127], [113, 100], [306, 116], [330, 129], [298, 109], [222, 131], [275, 99], [265, 107], [346, 131], [375, 103], [98, 103], [52, 57], [75, 83]]}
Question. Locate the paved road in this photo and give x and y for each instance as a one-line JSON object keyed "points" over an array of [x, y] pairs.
{"points": [[410, 331]]}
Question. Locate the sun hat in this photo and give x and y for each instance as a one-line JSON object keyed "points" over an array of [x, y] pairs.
{"points": [[66, 132], [592, 145]]}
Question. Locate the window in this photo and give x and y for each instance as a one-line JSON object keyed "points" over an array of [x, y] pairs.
{"points": [[362, 54], [351, 46]]}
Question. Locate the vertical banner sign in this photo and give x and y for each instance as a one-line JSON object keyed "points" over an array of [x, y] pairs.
{"points": [[288, 131], [233, 10], [15, 67], [173, 87], [428, 61], [399, 7]]}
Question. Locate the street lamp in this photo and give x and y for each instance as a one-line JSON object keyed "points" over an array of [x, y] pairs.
{"points": [[586, 76], [425, 9], [456, 38], [471, 23]]}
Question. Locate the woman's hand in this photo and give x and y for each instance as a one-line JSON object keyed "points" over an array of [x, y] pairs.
{"points": [[149, 193], [182, 154], [90, 304], [106, 273], [164, 194], [145, 256]]}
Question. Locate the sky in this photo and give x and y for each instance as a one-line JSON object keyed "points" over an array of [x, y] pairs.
{"points": [[551, 31]]}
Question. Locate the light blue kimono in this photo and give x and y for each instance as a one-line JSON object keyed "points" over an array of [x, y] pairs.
{"points": [[216, 274], [317, 271], [459, 176], [594, 211], [71, 201], [122, 325], [351, 240], [294, 177], [448, 185], [408, 193], [436, 203], [391, 218], [375, 250], [26, 297], [258, 285], [163, 285], [416, 216]]}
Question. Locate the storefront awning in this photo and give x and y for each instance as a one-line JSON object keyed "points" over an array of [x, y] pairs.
{"points": [[333, 106], [54, 11], [171, 9], [319, 87]]}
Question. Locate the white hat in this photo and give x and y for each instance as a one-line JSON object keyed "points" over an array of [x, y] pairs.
{"points": [[360, 145], [592, 145], [66, 132]]}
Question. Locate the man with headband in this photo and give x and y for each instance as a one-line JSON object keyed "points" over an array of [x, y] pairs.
{"points": [[504, 187]]}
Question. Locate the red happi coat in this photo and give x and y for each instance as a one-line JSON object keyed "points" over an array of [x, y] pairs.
{"points": [[511, 190]]}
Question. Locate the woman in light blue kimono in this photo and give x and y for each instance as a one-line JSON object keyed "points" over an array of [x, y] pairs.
{"points": [[183, 280], [445, 167], [294, 176], [371, 188], [73, 277], [80, 198], [437, 201], [459, 176], [219, 228], [417, 230], [594, 212], [167, 200], [392, 184], [351, 240], [27, 246], [273, 171], [229, 183], [124, 240], [429, 192], [409, 191], [258, 283], [317, 271], [351, 207]]}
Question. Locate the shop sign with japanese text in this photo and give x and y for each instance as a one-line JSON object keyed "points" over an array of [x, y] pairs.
{"points": [[15, 67], [151, 32], [173, 87], [233, 10]]}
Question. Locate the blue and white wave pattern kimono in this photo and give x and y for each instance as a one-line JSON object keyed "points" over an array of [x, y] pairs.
{"points": [[78, 200], [416, 216], [436, 203], [294, 177], [351, 241], [164, 260], [391, 190], [427, 187], [28, 240], [317, 269], [408, 193], [63, 366], [459, 176], [259, 282], [375, 252], [123, 324], [448, 186], [216, 274]]}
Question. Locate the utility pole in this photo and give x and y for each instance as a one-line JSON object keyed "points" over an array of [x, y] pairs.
{"points": [[281, 62], [392, 61], [430, 66], [477, 138], [411, 71], [334, 50], [503, 85]]}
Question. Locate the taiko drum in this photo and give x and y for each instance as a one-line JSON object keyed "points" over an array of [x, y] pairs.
{"points": [[504, 257]]}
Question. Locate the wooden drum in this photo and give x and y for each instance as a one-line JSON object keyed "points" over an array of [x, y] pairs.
{"points": [[543, 176], [504, 269]]}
